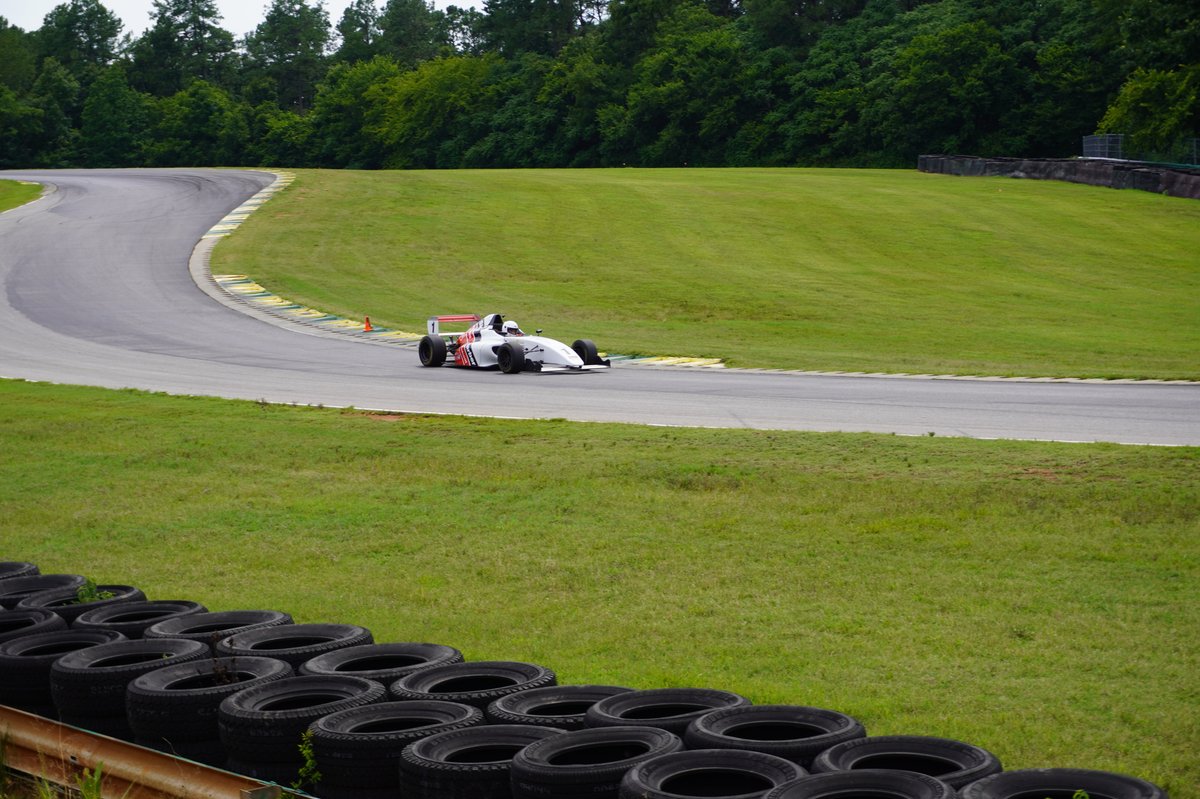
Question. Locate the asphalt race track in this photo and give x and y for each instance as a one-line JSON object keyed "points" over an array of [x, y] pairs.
{"points": [[96, 291]]}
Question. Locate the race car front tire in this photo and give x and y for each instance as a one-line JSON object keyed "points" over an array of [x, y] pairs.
{"points": [[586, 350], [511, 358], [432, 351]]}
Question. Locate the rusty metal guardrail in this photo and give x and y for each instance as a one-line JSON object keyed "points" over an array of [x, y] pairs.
{"points": [[60, 753]]}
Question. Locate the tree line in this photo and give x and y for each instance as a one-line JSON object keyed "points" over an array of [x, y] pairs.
{"points": [[589, 83]]}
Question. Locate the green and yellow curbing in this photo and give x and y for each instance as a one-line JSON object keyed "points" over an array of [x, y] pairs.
{"points": [[250, 292]]}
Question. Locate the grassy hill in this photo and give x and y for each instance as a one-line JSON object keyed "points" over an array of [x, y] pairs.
{"points": [[861, 270]]}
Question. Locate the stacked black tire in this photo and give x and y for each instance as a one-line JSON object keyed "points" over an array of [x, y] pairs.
{"points": [[88, 686], [25, 666], [261, 727], [244, 689], [175, 708], [65, 601], [358, 751]]}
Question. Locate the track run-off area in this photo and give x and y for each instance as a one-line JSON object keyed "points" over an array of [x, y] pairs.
{"points": [[96, 290]]}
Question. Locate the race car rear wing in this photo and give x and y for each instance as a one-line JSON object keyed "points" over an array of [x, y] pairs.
{"points": [[434, 322]]}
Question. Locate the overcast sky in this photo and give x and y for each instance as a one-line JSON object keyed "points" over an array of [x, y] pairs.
{"points": [[239, 16]]}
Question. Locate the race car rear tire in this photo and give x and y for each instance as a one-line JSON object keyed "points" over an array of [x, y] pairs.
{"points": [[432, 351], [586, 350], [511, 358]]}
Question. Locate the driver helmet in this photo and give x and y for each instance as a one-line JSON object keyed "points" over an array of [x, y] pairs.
{"points": [[512, 329]]}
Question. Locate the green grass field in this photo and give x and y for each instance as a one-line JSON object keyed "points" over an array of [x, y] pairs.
{"points": [[13, 193], [1036, 599], [858, 270]]}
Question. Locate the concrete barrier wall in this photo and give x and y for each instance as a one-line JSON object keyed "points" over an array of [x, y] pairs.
{"points": [[1094, 172]]}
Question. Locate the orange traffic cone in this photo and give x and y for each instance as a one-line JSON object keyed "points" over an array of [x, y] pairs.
{"points": [[367, 325]]}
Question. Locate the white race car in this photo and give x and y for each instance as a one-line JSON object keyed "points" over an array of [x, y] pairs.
{"points": [[490, 343]]}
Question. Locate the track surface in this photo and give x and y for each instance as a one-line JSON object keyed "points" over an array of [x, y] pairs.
{"points": [[95, 290]]}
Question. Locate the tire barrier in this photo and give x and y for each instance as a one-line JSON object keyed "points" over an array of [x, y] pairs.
{"points": [[88, 685], [1061, 783], [728, 773], [384, 663], [174, 708], [867, 782], [476, 683], [17, 568], [25, 665], [266, 723], [456, 730], [473, 763], [14, 589], [953, 762], [671, 709], [1175, 182], [293, 643], [20, 623], [65, 601], [793, 732], [561, 706], [132, 618], [586, 763], [211, 627], [358, 750]]}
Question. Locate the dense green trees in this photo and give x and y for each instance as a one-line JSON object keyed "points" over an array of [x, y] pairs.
{"points": [[1157, 108], [82, 34], [359, 32], [17, 57], [285, 53], [114, 121], [185, 43], [398, 83]]}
